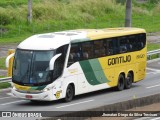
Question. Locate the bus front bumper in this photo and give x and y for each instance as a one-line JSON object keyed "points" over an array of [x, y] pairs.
{"points": [[42, 96]]}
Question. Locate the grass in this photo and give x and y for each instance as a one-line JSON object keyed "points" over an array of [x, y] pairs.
{"points": [[5, 85], [15, 3], [153, 47], [58, 15], [2, 63], [2, 76]]}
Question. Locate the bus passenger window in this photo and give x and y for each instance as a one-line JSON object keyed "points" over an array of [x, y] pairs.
{"points": [[123, 45], [142, 41], [109, 47], [99, 49], [75, 54], [87, 50]]}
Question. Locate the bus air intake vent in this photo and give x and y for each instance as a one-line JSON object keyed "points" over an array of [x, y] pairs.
{"points": [[46, 36]]}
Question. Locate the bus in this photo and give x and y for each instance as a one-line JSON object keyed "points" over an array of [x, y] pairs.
{"points": [[64, 64]]}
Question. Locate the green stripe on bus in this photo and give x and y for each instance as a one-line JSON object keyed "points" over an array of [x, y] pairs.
{"points": [[98, 71], [80, 40], [38, 87], [88, 71]]}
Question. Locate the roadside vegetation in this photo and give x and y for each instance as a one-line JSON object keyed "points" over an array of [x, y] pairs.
{"points": [[57, 15], [153, 46], [2, 76], [2, 63], [5, 85]]}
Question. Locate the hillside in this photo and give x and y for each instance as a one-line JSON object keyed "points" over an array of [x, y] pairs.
{"points": [[56, 15]]}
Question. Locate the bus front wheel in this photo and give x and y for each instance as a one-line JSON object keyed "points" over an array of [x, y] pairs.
{"points": [[121, 83], [128, 81], [69, 93]]}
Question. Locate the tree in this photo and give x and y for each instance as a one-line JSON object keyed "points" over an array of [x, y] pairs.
{"points": [[128, 19], [29, 18]]}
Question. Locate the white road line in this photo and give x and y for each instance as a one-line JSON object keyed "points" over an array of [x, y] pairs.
{"points": [[5, 98], [156, 70], [156, 118], [151, 73], [12, 102], [10, 94], [75, 103], [153, 86]]}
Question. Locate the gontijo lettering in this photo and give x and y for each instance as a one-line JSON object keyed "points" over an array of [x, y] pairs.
{"points": [[119, 60]]}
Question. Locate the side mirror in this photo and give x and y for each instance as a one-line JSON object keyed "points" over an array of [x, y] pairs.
{"points": [[52, 61], [8, 58]]}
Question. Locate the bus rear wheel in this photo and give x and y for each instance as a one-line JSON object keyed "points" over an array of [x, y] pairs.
{"points": [[121, 83], [128, 81], [69, 93]]}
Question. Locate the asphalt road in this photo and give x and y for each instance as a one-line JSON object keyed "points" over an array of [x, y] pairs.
{"points": [[149, 86]]}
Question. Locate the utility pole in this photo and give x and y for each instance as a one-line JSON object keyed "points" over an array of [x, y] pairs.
{"points": [[29, 17], [128, 19]]}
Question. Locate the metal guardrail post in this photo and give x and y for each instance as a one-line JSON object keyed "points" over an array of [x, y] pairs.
{"points": [[153, 52]]}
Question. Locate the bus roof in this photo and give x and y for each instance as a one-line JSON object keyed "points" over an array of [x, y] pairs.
{"points": [[54, 40]]}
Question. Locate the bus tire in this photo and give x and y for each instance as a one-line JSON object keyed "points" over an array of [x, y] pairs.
{"points": [[69, 93], [121, 82], [129, 80]]}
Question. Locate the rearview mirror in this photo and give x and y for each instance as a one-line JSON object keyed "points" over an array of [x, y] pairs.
{"points": [[52, 61], [8, 58]]}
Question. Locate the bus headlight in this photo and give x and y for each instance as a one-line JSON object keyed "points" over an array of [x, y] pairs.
{"points": [[49, 88]]}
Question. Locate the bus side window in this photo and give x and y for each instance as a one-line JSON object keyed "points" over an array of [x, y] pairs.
{"points": [[99, 49], [109, 47], [75, 54], [134, 41], [87, 50], [142, 41], [123, 44], [59, 63]]}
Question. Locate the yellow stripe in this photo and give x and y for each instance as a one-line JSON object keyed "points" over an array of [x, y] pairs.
{"points": [[109, 73], [19, 87]]}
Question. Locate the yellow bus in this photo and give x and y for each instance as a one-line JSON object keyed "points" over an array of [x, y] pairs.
{"points": [[63, 64]]}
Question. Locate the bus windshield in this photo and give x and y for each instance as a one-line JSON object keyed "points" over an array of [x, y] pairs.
{"points": [[32, 67]]}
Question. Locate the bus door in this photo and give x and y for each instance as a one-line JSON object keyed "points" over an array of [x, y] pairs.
{"points": [[75, 69], [82, 84]]}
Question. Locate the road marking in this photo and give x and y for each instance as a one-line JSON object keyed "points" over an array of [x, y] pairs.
{"points": [[152, 73], [153, 86], [75, 103], [156, 70], [10, 94], [12, 102], [5, 98]]}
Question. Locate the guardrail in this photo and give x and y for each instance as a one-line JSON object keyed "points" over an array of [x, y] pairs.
{"points": [[153, 56], [6, 79], [149, 59]]}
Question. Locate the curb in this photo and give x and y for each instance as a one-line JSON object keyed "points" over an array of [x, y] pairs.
{"points": [[114, 107], [5, 90]]}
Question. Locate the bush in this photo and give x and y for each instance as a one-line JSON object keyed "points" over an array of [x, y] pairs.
{"points": [[4, 18], [156, 10]]}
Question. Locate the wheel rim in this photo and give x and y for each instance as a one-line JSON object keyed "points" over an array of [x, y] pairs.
{"points": [[69, 93], [129, 79], [121, 83]]}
